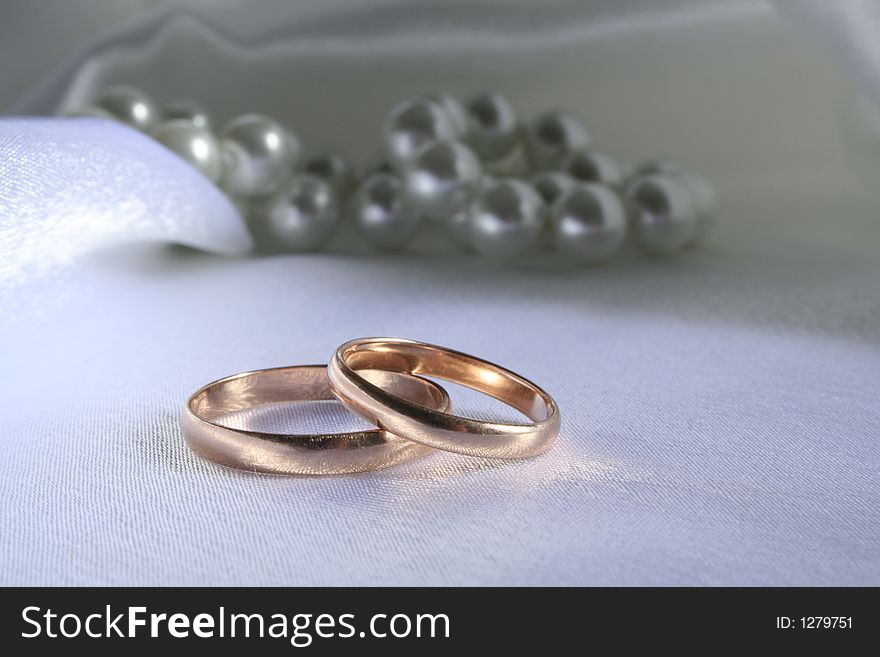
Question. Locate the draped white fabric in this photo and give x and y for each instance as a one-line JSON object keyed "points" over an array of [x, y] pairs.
{"points": [[720, 414]]}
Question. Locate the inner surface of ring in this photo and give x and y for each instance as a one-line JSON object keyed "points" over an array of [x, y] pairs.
{"points": [[416, 358], [300, 383]]}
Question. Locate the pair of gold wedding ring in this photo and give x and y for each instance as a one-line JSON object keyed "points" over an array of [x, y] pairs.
{"points": [[380, 379]]}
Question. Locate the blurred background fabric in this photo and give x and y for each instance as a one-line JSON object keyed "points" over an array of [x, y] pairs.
{"points": [[720, 420]]}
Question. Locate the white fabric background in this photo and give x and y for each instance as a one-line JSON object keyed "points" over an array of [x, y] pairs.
{"points": [[720, 414]]}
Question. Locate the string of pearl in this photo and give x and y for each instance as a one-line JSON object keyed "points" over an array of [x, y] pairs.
{"points": [[498, 186]]}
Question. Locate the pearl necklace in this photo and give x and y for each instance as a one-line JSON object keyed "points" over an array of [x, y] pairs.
{"points": [[496, 185]]}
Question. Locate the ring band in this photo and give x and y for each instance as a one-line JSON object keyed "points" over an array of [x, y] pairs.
{"points": [[437, 428], [336, 453]]}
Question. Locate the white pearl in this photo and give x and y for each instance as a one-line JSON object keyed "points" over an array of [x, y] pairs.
{"points": [[411, 125], [701, 192], [455, 112], [590, 165], [129, 105], [441, 178], [379, 212], [589, 222], [553, 135], [506, 218], [552, 184], [257, 155], [458, 225], [301, 214], [663, 212], [187, 110], [493, 127], [194, 144], [705, 205], [333, 168]]}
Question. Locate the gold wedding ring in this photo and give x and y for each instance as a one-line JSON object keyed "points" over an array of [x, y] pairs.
{"points": [[382, 380], [335, 453], [435, 427]]}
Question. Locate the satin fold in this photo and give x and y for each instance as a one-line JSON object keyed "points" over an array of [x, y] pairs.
{"points": [[69, 186]]}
